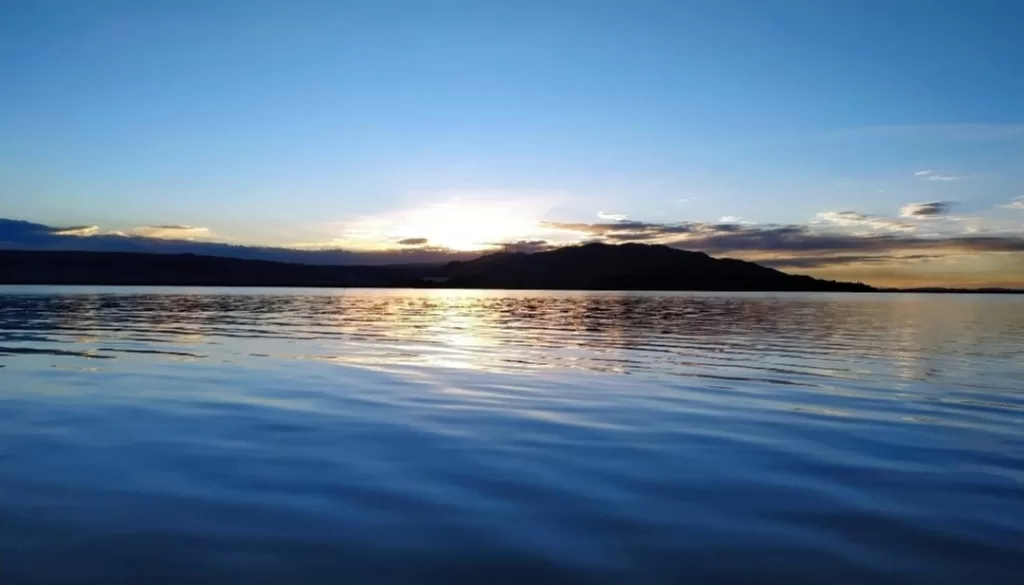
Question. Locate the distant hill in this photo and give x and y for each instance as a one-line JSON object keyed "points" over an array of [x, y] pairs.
{"points": [[629, 267], [141, 269], [588, 267], [957, 291]]}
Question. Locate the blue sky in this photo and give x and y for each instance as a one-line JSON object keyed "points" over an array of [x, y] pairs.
{"points": [[466, 123]]}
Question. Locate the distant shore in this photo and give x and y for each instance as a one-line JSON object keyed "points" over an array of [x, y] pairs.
{"points": [[593, 267], [142, 284]]}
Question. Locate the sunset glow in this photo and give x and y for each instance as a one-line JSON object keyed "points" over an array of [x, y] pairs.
{"points": [[463, 227]]}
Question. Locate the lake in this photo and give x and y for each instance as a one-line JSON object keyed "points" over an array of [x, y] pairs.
{"points": [[390, 436]]}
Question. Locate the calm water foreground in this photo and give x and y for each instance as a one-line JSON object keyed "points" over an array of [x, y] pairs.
{"points": [[294, 436]]}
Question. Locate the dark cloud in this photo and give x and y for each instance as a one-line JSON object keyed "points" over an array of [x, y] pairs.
{"points": [[624, 231], [602, 228], [848, 215], [727, 228], [634, 236], [800, 246], [830, 261], [527, 246], [929, 209], [642, 231], [413, 241], [796, 239]]}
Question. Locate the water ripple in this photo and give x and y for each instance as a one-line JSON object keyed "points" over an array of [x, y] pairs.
{"points": [[271, 436]]}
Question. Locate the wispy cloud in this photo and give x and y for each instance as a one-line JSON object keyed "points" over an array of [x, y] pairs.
{"points": [[934, 176], [612, 216], [160, 232], [1016, 203], [789, 263], [734, 219], [863, 222], [83, 231], [924, 210], [173, 232]]}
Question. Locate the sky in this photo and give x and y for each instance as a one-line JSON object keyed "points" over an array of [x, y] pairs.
{"points": [[864, 140]]}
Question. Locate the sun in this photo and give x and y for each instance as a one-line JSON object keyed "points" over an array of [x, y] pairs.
{"points": [[464, 227], [461, 223]]}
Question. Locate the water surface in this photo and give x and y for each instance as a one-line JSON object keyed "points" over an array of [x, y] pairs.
{"points": [[305, 436]]}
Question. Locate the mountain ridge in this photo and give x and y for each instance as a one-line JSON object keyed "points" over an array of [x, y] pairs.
{"points": [[631, 266], [585, 267]]}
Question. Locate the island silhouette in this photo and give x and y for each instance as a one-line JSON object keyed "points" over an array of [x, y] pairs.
{"points": [[585, 267]]}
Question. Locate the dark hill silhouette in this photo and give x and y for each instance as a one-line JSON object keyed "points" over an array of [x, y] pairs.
{"points": [[592, 266], [629, 267], [140, 269]]}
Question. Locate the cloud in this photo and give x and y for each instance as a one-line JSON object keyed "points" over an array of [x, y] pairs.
{"points": [[1016, 203], [413, 241], [802, 239], [82, 231], [843, 260], [799, 239], [929, 209], [612, 216], [166, 232], [733, 219], [634, 228], [527, 246], [933, 176], [860, 221], [842, 216], [173, 232]]}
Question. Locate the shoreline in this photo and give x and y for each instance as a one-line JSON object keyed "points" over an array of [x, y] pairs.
{"points": [[927, 290]]}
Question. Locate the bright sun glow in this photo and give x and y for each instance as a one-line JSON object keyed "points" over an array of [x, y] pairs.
{"points": [[464, 227], [459, 224]]}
